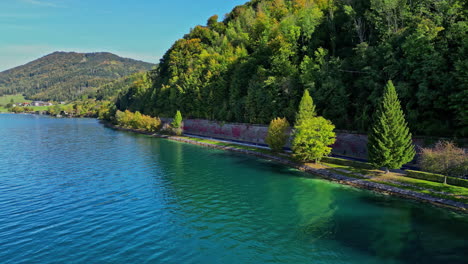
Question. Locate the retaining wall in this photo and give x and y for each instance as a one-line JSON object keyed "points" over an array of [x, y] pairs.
{"points": [[347, 143]]}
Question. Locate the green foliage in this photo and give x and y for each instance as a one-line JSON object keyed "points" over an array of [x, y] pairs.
{"points": [[111, 90], [255, 64], [177, 122], [82, 108], [19, 109], [445, 158], [390, 144], [277, 134], [346, 162], [306, 108], [63, 76], [312, 138], [137, 121]]}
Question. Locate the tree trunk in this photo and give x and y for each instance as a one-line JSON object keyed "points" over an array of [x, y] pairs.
{"points": [[386, 170], [445, 179]]}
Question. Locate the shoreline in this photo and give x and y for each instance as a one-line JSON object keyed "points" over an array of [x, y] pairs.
{"points": [[326, 174]]}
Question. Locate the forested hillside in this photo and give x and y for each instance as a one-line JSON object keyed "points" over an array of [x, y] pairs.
{"points": [[254, 65], [110, 90], [67, 75]]}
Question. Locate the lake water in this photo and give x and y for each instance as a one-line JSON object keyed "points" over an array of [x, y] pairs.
{"points": [[74, 191]]}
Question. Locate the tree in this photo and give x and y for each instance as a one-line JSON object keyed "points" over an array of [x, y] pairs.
{"points": [[277, 134], [390, 144], [177, 123], [306, 108], [445, 158], [312, 138]]}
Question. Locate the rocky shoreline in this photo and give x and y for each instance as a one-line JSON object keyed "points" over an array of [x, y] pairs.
{"points": [[359, 183]]}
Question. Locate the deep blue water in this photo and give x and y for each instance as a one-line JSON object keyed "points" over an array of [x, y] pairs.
{"points": [[74, 191]]}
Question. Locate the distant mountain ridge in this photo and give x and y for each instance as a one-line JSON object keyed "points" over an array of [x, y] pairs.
{"points": [[67, 75]]}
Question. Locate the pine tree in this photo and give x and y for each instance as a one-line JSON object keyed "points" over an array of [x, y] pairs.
{"points": [[177, 122], [390, 144], [306, 108]]}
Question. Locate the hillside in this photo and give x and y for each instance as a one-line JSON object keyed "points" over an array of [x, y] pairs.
{"points": [[110, 90], [254, 65], [67, 75]]}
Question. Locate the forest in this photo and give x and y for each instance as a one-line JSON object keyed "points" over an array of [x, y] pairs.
{"points": [[254, 65]]}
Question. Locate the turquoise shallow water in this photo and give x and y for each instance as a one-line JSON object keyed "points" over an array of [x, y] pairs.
{"points": [[73, 191]]}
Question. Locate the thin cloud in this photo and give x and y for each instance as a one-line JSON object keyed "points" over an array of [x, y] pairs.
{"points": [[41, 3]]}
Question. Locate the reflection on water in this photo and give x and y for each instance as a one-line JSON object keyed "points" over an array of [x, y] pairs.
{"points": [[74, 191]]}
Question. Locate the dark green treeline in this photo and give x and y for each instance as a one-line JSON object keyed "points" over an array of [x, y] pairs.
{"points": [[255, 64]]}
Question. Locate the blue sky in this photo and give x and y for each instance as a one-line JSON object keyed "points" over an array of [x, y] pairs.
{"points": [[140, 29]]}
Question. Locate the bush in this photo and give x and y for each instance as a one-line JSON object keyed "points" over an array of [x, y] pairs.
{"points": [[425, 176], [312, 139], [136, 120], [445, 158], [351, 163], [436, 178], [277, 134], [18, 109]]}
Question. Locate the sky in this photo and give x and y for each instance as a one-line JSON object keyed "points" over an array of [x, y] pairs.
{"points": [[138, 29]]}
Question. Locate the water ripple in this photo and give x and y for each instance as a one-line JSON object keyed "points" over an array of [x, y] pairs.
{"points": [[73, 191]]}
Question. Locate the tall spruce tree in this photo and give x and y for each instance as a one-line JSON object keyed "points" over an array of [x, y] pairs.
{"points": [[306, 108], [390, 144]]}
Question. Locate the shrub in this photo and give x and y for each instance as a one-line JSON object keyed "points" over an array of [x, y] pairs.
{"points": [[436, 178], [137, 120], [312, 139], [19, 109], [277, 134], [445, 158]]}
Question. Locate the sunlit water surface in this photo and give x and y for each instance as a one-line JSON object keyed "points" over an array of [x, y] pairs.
{"points": [[74, 191]]}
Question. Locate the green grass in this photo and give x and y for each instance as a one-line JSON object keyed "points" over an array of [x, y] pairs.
{"points": [[17, 98], [39, 108], [455, 193], [6, 99]]}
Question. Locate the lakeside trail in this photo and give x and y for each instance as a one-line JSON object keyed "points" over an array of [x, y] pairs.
{"points": [[324, 171]]}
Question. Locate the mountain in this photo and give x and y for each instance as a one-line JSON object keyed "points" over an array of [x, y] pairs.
{"points": [[254, 65], [67, 75]]}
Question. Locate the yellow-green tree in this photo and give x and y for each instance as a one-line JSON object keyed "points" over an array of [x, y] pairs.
{"points": [[312, 138], [277, 134]]}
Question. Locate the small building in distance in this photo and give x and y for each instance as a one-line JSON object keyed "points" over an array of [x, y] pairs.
{"points": [[40, 103]]}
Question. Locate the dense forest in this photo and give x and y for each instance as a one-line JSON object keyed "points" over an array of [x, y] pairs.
{"points": [[67, 75], [110, 90], [254, 65]]}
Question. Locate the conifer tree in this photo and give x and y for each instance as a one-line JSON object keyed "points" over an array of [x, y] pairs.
{"points": [[390, 144], [306, 108], [177, 122]]}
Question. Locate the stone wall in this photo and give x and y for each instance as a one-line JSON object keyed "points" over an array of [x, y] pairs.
{"points": [[347, 143]]}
